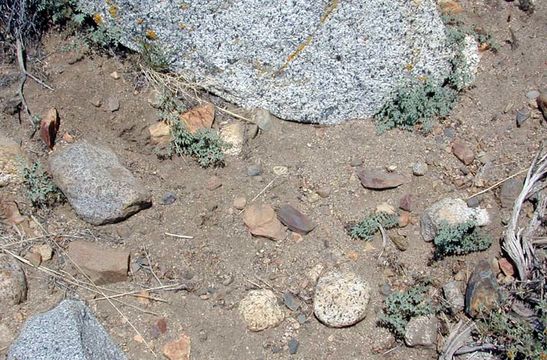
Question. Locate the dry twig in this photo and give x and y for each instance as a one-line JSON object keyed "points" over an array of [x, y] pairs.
{"points": [[517, 242]]}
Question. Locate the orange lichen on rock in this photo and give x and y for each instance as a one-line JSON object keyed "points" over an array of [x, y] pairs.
{"points": [[98, 18], [151, 34]]}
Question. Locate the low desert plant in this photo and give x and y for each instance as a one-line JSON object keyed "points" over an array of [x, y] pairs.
{"points": [[400, 307], [459, 239], [204, 145], [518, 338], [367, 227], [40, 189]]}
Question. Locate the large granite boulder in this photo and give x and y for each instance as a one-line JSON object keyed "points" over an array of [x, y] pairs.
{"points": [[69, 331], [315, 61], [96, 184]]}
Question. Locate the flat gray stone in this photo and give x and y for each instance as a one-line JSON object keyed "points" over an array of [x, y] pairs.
{"points": [[454, 296], [97, 186], [421, 331], [318, 61], [341, 299], [69, 331]]}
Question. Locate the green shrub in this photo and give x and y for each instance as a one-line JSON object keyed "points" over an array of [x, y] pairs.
{"points": [[40, 189], [415, 103], [519, 339], [204, 145], [371, 224], [400, 307], [459, 239]]}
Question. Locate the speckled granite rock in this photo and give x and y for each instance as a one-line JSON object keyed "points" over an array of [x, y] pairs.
{"points": [[69, 331], [340, 299], [319, 61], [96, 185]]}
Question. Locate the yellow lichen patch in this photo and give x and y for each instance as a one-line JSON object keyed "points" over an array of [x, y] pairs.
{"points": [[113, 10], [151, 34], [183, 26], [139, 21], [331, 6], [422, 78], [409, 67], [184, 6], [98, 18]]}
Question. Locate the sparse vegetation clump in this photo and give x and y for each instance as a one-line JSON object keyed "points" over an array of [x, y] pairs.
{"points": [[40, 188], [400, 307], [416, 103], [371, 224], [459, 239], [518, 338], [204, 145]]}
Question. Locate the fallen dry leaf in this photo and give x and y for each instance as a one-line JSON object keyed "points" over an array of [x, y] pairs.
{"points": [[49, 127], [200, 117]]}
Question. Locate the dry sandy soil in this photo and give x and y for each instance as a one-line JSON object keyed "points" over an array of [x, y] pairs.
{"points": [[316, 157]]}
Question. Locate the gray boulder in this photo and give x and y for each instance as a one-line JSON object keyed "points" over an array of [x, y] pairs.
{"points": [[96, 185], [313, 61], [69, 331]]}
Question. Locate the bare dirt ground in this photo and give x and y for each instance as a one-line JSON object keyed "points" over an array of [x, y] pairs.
{"points": [[316, 157]]}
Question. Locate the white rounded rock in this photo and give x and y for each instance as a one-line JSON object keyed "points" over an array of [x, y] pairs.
{"points": [[341, 299], [260, 310]]}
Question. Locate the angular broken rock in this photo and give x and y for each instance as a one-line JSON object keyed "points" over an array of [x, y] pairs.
{"points": [[341, 299], [102, 265], [261, 310], [482, 294], [421, 331], [178, 349], [233, 135], [295, 220], [69, 331], [13, 284], [463, 152], [200, 117], [453, 212], [160, 133], [454, 296], [377, 180], [97, 186], [262, 221]]}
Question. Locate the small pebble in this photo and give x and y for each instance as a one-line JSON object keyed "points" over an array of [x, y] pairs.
{"points": [[450, 133], [114, 75], [473, 202], [522, 116], [293, 346], [240, 202], [323, 191], [356, 162], [168, 198], [113, 104], [301, 318], [532, 95], [419, 169], [254, 170]]}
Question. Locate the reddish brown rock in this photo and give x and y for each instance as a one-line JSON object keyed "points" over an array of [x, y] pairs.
{"points": [[102, 265], [404, 219], [261, 220], [178, 349], [378, 180], [506, 267], [295, 220], [200, 117], [542, 103], [463, 152], [214, 183], [405, 203]]}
